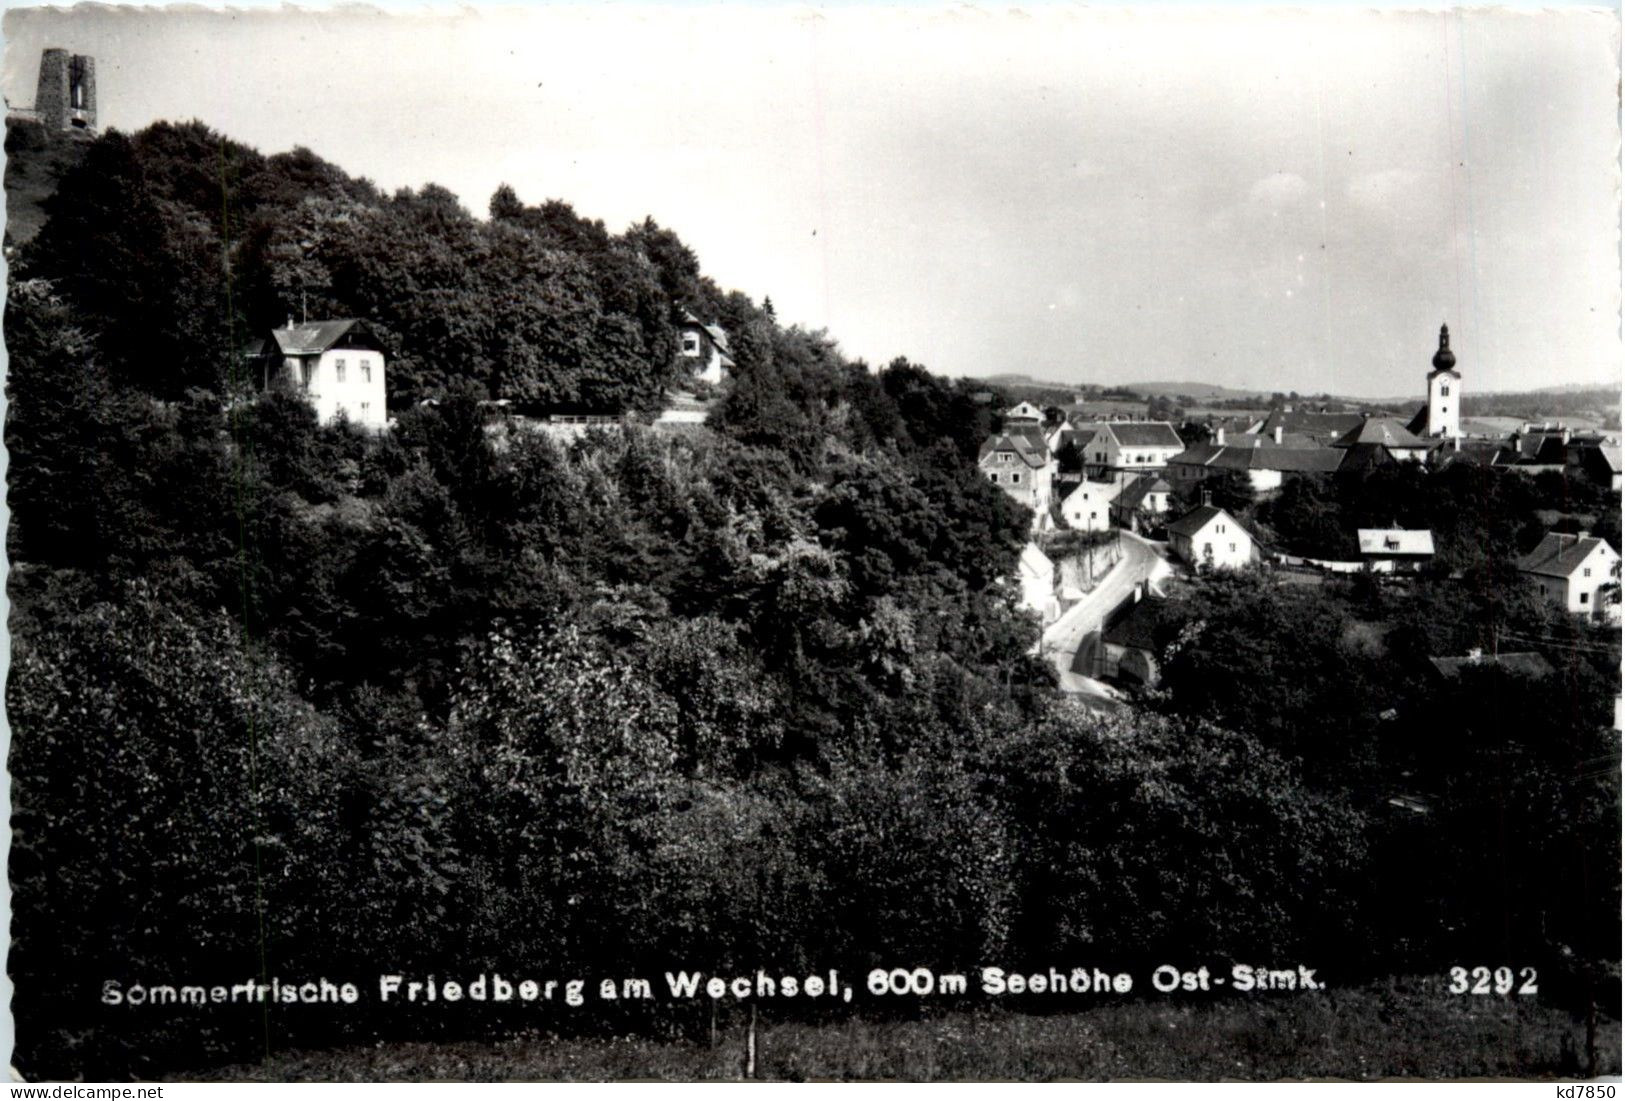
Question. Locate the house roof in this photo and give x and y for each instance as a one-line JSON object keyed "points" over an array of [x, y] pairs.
{"points": [[1198, 454], [1380, 430], [1024, 411], [1033, 456], [1395, 541], [311, 338], [1138, 488], [1609, 455], [1035, 563], [1090, 490], [1145, 434], [1291, 460], [1197, 519], [1132, 625], [1363, 456], [1322, 426], [1559, 555], [1527, 662], [1481, 452]]}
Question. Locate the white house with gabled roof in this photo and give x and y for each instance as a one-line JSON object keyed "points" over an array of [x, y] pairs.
{"points": [[337, 365], [1088, 507], [1132, 447], [1208, 537], [705, 349]]}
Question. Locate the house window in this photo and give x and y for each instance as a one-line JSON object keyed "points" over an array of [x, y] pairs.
{"points": [[366, 370], [691, 344], [338, 370], [1015, 479], [993, 476], [1444, 391], [306, 370], [1585, 598], [1232, 548], [1587, 571], [365, 406]]}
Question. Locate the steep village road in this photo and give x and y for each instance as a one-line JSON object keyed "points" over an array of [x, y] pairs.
{"points": [[1141, 561]]}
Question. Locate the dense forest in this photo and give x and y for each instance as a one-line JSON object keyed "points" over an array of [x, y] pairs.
{"points": [[294, 700]]}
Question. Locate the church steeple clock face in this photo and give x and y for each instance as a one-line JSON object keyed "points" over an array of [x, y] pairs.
{"points": [[1444, 407]]}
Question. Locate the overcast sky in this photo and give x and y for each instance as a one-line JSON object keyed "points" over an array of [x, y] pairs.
{"points": [[1275, 201]]}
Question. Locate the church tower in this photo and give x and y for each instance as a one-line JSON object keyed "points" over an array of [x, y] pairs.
{"points": [[1444, 392]]}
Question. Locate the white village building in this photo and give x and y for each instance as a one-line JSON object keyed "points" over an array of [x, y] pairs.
{"points": [[337, 365]]}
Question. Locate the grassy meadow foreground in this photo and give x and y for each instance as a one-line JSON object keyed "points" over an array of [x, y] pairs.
{"points": [[1403, 1030]]}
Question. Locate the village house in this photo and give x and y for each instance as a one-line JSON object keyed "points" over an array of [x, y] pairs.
{"points": [[1144, 495], [1578, 573], [1023, 415], [1128, 651], [1088, 507], [705, 347], [1022, 467], [1389, 550], [336, 365], [1265, 458], [1129, 448], [1207, 537]]}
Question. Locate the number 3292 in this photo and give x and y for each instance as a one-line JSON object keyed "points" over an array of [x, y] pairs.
{"points": [[1500, 980]]}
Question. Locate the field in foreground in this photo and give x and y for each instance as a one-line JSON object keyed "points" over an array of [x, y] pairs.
{"points": [[1368, 1033]]}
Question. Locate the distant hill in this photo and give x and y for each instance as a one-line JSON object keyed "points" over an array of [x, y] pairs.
{"points": [[1205, 391]]}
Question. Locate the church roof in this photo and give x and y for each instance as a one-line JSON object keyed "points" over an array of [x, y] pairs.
{"points": [[1380, 430]]}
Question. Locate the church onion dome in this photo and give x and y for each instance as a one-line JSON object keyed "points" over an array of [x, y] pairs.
{"points": [[1444, 359]]}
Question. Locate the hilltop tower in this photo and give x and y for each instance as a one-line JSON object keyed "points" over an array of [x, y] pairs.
{"points": [[66, 97], [1443, 412]]}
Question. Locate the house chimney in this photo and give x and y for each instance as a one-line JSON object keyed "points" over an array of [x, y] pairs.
{"points": [[1218, 437], [290, 321], [1476, 654], [1258, 441], [1277, 435]]}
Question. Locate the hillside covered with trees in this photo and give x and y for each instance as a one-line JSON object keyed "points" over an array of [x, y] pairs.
{"points": [[291, 700]]}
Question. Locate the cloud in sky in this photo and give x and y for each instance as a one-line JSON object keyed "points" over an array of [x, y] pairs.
{"points": [[1284, 200]]}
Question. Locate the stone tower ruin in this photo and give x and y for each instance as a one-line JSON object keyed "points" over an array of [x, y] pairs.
{"points": [[66, 99]]}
